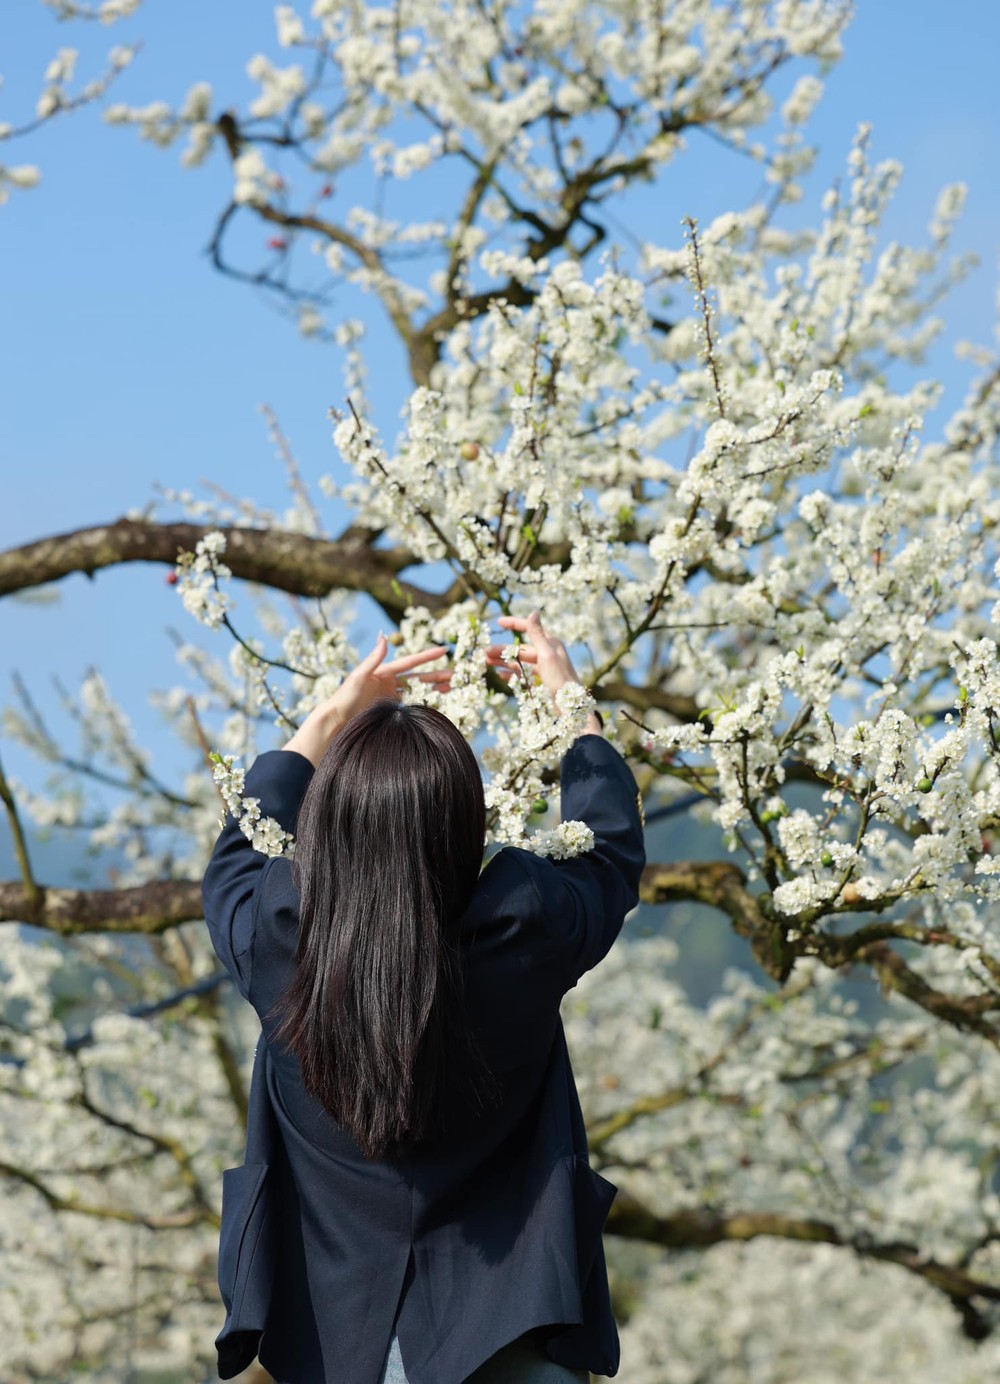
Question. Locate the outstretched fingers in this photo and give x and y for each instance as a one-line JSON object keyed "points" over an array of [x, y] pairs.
{"points": [[372, 660], [441, 682], [407, 661], [401, 670]]}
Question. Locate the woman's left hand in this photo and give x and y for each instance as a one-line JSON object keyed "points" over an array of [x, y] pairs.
{"points": [[366, 683]]}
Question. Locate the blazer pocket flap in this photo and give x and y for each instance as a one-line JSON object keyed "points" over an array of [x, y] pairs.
{"points": [[244, 1216], [592, 1196]]}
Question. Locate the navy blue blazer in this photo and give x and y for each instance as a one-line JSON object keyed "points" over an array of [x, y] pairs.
{"points": [[473, 1241]]}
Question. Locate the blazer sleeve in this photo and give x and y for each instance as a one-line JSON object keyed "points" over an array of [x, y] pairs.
{"points": [[230, 887], [583, 901]]}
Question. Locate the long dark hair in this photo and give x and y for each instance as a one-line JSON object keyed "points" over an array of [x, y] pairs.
{"points": [[389, 845]]}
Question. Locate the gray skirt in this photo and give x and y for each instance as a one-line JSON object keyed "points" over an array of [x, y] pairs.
{"points": [[521, 1362]]}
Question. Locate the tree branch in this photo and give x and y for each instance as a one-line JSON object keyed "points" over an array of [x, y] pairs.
{"points": [[29, 883], [182, 1220], [287, 561], [144, 908], [723, 885], [699, 1228], [162, 904], [965, 1012]]}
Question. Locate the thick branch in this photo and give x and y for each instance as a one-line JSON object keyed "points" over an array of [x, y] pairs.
{"points": [[292, 562], [147, 908], [966, 1012], [679, 704], [698, 1229], [724, 886], [162, 904]]}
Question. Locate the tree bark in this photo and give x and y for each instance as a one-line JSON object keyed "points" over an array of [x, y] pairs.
{"points": [[293, 562], [144, 908]]}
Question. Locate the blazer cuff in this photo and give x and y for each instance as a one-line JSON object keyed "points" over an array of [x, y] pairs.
{"points": [[595, 749], [279, 778]]}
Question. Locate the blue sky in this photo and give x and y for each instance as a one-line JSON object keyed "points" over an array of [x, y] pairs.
{"points": [[128, 361]]}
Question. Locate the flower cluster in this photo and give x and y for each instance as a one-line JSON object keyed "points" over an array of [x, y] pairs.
{"points": [[264, 833], [56, 96], [198, 577]]}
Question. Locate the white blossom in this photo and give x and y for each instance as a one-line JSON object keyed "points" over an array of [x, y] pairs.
{"points": [[761, 522]]}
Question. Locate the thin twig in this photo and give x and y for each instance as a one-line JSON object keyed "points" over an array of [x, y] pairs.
{"points": [[31, 887]]}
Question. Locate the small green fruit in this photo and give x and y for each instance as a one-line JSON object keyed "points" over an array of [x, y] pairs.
{"points": [[540, 805], [826, 858], [925, 785]]}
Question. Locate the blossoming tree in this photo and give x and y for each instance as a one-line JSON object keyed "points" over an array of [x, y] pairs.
{"points": [[704, 458]]}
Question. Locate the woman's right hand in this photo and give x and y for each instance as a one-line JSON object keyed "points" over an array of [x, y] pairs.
{"points": [[547, 654]]}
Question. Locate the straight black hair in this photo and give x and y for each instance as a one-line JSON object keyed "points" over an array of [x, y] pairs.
{"points": [[389, 845]]}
